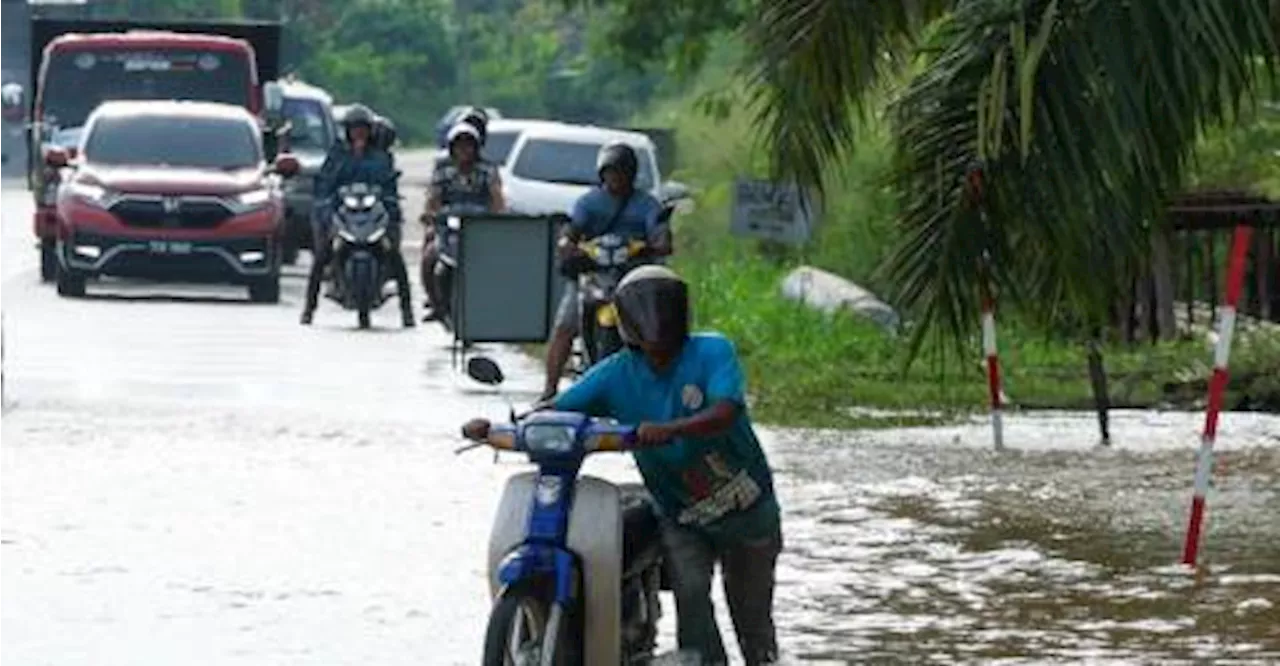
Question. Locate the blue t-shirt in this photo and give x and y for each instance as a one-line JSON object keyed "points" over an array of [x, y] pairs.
{"points": [[593, 212], [721, 485]]}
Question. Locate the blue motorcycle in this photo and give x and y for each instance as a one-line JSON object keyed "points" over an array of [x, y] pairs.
{"points": [[575, 562]]}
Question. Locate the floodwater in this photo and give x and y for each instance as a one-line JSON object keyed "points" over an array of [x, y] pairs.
{"points": [[196, 481]]}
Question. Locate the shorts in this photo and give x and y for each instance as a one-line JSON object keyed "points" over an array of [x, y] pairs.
{"points": [[567, 314]]}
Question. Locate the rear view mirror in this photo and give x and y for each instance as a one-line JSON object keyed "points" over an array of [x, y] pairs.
{"points": [[273, 98], [484, 370], [57, 157], [672, 191]]}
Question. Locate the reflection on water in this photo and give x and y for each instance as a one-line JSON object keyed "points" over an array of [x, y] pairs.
{"points": [[905, 552]]}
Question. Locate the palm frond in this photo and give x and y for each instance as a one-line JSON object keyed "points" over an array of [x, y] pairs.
{"points": [[1085, 112], [811, 61]]}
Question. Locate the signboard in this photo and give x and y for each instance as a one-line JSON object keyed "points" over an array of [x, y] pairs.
{"points": [[504, 285], [767, 210]]}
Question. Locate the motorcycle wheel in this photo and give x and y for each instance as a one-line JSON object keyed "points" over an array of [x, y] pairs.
{"points": [[517, 631], [362, 282]]}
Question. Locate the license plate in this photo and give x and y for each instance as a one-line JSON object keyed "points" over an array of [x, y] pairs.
{"points": [[170, 247]]}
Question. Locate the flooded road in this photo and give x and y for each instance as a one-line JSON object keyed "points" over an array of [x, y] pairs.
{"points": [[200, 480]]}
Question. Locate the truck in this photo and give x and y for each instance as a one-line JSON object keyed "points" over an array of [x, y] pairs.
{"points": [[78, 64]]}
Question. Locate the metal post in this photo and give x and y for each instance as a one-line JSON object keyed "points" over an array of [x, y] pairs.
{"points": [[1217, 386]]}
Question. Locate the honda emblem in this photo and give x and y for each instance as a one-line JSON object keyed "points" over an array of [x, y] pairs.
{"points": [[171, 205]]}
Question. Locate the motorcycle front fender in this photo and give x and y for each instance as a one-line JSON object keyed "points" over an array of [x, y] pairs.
{"points": [[595, 535]]}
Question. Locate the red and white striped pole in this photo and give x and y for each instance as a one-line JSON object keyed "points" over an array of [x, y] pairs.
{"points": [[993, 367], [1217, 386], [977, 193]]}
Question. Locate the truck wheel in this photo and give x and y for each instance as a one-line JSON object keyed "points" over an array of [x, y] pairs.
{"points": [[48, 260], [70, 283], [265, 290]]}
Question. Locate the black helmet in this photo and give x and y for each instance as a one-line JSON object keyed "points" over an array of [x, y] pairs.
{"points": [[653, 307], [477, 118], [619, 156], [357, 114]]}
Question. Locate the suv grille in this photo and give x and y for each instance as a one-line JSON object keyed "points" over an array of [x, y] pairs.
{"points": [[191, 213]]}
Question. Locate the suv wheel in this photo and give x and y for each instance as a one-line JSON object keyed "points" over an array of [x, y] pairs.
{"points": [[265, 290], [48, 260], [70, 283]]}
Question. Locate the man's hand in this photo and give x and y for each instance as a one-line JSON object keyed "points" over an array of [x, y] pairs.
{"points": [[655, 434], [476, 430], [567, 249]]}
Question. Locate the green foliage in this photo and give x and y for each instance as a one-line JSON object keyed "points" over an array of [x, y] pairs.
{"points": [[404, 57]]}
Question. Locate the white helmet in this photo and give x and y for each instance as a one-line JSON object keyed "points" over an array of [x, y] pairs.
{"points": [[460, 130]]}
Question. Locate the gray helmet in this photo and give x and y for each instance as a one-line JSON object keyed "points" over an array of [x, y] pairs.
{"points": [[653, 307], [358, 114]]}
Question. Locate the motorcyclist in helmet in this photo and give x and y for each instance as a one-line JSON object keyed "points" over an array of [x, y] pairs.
{"points": [[613, 207], [699, 457], [465, 182], [358, 160]]}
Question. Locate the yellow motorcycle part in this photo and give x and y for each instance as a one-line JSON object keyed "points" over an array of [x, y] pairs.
{"points": [[607, 316]]}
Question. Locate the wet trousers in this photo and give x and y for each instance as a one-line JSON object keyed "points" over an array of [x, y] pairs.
{"points": [[747, 569]]}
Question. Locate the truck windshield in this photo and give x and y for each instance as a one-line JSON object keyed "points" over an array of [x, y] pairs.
{"points": [[181, 141], [77, 80], [312, 125], [571, 163]]}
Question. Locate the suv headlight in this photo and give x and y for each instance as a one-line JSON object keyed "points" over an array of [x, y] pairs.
{"points": [[88, 193], [253, 198]]}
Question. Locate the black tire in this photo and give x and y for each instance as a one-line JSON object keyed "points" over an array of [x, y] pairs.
{"points": [[503, 621], [48, 260], [70, 283], [265, 290], [362, 280]]}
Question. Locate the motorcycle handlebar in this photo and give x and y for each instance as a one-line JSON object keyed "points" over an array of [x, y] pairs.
{"points": [[599, 437]]}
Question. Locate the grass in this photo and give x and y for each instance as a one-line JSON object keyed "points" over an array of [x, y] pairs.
{"points": [[808, 368]]}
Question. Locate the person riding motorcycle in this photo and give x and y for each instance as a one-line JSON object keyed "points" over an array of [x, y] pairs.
{"points": [[613, 207], [699, 457], [359, 160], [473, 116], [465, 183]]}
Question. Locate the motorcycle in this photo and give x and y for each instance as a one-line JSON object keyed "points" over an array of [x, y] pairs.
{"points": [[605, 261], [611, 256], [575, 562], [360, 244]]}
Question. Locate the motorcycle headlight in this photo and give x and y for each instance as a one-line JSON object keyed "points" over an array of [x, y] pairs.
{"points": [[550, 438], [88, 193], [351, 201], [368, 201], [253, 198]]}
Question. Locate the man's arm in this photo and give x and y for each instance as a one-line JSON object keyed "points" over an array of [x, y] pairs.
{"points": [[725, 393], [590, 394], [391, 189], [659, 234], [497, 202]]}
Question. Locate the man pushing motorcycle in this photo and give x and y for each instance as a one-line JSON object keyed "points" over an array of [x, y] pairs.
{"points": [[615, 206], [465, 182], [359, 160], [699, 457]]}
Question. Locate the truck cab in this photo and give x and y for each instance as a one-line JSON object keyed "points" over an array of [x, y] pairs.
{"points": [[311, 133]]}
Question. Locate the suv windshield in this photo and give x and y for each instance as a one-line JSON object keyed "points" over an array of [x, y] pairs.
{"points": [[497, 146], [571, 163], [312, 124], [181, 141], [76, 81]]}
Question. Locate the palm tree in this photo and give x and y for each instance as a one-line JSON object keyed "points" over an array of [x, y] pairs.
{"points": [[1083, 114]]}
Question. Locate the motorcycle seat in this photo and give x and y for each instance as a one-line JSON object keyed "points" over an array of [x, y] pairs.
{"points": [[641, 533]]}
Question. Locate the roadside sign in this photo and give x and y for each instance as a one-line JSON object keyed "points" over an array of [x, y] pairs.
{"points": [[772, 211]]}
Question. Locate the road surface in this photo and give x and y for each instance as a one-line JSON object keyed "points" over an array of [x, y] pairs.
{"points": [[189, 478]]}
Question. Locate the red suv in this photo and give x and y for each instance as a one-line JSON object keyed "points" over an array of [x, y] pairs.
{"points": [[171, 190]]}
